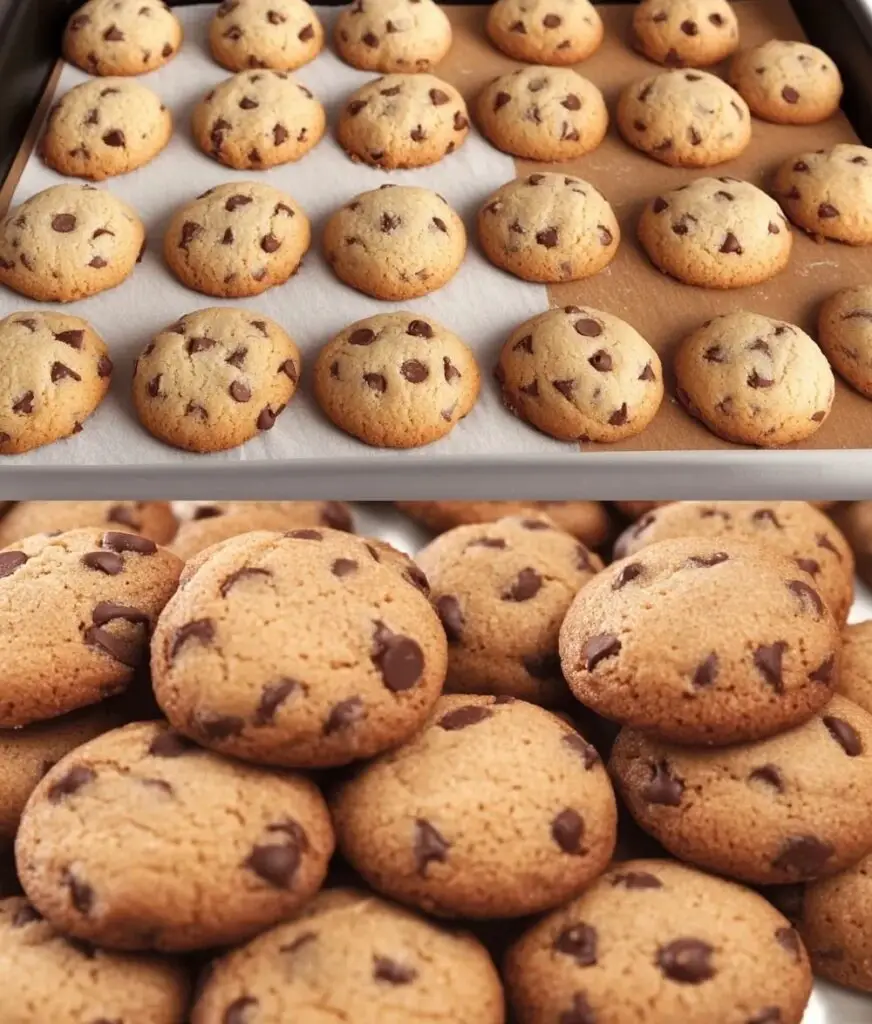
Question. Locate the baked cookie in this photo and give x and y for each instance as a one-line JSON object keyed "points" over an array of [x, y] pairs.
{"points": [[149, 791], [549, 228], [580, 375], [122, 37], [403, 121], [152, 519], [427, 823], [845, 335], [716, 233], [685, 118], [68, 242], [237, 240], [545, 31], [370, 960], [215, 379], [792, 529], [392, 35], [396, 242], [75, 614], [258, 119], [54, 372], [686, 33], [105, 127], [855, 521], [501, 590], [829, 193], [654, 941], [773, 666], [855, 666], [543, 114], [277, 34], [788, 82], [753, 380], [396, 380]]}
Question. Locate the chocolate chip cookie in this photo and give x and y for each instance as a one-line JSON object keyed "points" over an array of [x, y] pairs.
{"points": [[855, 521], [152, 519], [392, 35], [122, 37], [277, 34], [845, 335], [788, 82], [685, 33], [855, 666], [545, 31]]}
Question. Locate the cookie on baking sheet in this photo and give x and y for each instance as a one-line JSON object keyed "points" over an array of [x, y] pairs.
{"points": [[392, 35], [152, 519], [151, 792], [549, 228], [754, 380], [845, 335], [215, 379], [543, 113], [258, 119], [580, 375], [403, 121], [855, 666], [237, 240], [105, 127], [655, 941], [829, 193], [68, 242], [773, 666], [395, 242], [353, 950], [685, 118], [278, 34], [716, 233], [444, 841], [545, 31], [788, 82], [685, 33], [396, 380], [122, 37]]}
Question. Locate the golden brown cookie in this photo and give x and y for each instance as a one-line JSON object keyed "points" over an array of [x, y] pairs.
{"points": [[685, 33], [392, 35], [278, 34], [545, 31], [122, 37], [152, 519]]}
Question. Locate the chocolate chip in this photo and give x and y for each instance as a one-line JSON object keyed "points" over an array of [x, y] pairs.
{"points": [[601, 361], [462, 717], [664, 787], [789, 94], [770, 774], [344, 567], [10, 561], [578, 942], [271, 699], [599, 648], [376, 382], [731, 245], [788, 939], [706, 672], [460, 124], [218, 727], [519, 27], [269, 243], [626, 575], [398, 658], [803, 856], [128, 542], [826, 211], [580, 746], [104, 561], [306, 33], [414, 371], [63, 223], [61, 370], [824, 672], [808, 596], [500, 100], [636, 880], [81, 894], [78, 776], [525, 586], [104, 367], [235, 201], [844, 734], [344, 714], [547, 238], [567, 830], [277, 864], [74, 339], [687, 961], [115, 138], [588, 328], [24, 404], [171, 744], [552, 21], [200, 629], [385, 969], [113, 34], [565, 387], [305, 534], [429, 846], [689, 27], [767, 661], [450, 614]]}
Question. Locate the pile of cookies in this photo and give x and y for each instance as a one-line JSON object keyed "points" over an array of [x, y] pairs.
{"points": [[315, 775]]}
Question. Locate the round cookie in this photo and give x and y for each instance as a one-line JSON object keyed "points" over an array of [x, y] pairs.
{"points": [[403, 121], [47, 977], [855, 521], [845, 335], [701, 641], [68, 242], [792, 529], [549, 228], [122, 37], [278, 34], [75, 614], [716, 233], [580, 375], [396, 242], [753, 380], [396, 380], [428, 823], [152, 519], [215, 379], [543, 114], [54, 372], [654, 941], [685, 118], [829, 193], [545, 31], [788, 82], [258, 119], [685, 33], [150, 792], [237, 240], [392, 35], [855, 665], [105, 127], [356, 951]]}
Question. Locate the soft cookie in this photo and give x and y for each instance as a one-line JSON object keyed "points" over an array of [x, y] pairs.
{"points": [[855, 668], [685, 33], [788, 82], [545, 31], [277, 34], [392, 35], [122, 37], [152, 519], [845, 335]]}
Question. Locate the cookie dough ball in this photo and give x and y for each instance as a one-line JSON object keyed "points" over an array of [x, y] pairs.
{"points": [[855, 666], [392, 35], [771, 666], [845, 335], [152, 519], [686, 33], [788, 82], [545, 31], [122, 37], [278, 34]]}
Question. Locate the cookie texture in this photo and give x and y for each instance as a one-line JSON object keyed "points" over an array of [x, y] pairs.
{"points": [[774, 665], [392, 35], [685, 33], [580, 375], [68, 242], [396, 242], [55, 370], [855, 667], [152, 519], [237, 240], [426, 823], [754, 380], [685, 118], [545, 31], [396, 380], [278, 34], [855, 521], [845, 335], [697, 948], [403, 120], [122, 37]]}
